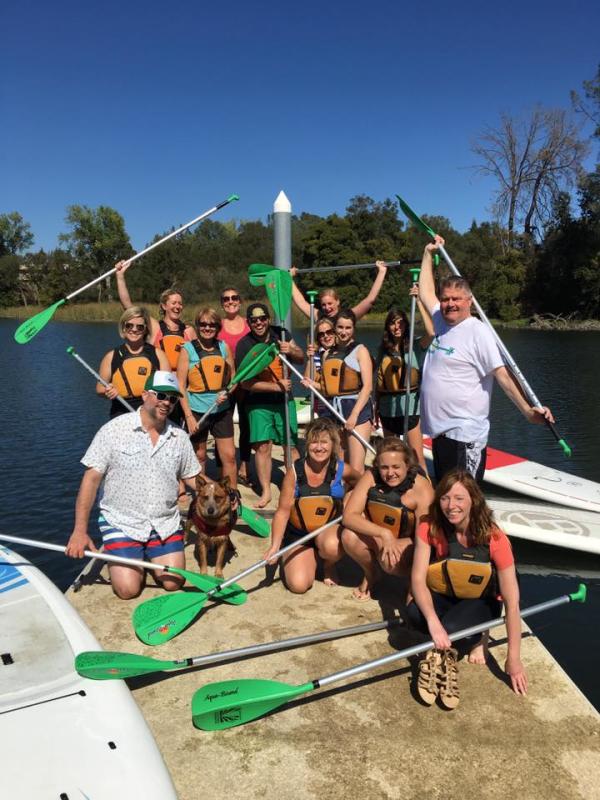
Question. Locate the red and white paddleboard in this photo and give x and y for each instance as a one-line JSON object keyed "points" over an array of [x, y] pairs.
{"points": [[534, 480]]}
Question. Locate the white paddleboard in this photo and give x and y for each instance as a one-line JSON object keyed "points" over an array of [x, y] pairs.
{"points": [[534, 480], [548, 524], [64, 736]]}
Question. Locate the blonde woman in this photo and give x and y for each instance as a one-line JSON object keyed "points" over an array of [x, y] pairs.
{"points": [[127, 367]]}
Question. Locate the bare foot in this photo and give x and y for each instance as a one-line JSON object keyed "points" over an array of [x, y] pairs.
{"points": [[330, 577], [263, 501], [362, 591], [478, 654]]}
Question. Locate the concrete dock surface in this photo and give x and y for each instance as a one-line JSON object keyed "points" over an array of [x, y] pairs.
{"points": [[368, 737]]}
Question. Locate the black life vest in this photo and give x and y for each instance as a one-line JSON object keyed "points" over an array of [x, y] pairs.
{"points": [[385, 507], [314, 506], [129, 371]]}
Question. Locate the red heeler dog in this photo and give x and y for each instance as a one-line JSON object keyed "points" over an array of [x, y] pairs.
{"points": [[212, 518]]}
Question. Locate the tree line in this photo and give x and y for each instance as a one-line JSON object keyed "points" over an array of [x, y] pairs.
{"points": [[539, 252]]}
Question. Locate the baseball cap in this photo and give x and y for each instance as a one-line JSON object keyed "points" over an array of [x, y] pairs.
{"points": [[257, 310], [162, 381]]}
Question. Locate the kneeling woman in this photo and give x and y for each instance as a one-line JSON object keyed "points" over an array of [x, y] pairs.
{"points": [[382, 512], [204, 369], [312, 493], [472, 561]]}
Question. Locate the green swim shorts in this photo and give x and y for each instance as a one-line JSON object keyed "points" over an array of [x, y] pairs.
{"points": [[267, 423]]}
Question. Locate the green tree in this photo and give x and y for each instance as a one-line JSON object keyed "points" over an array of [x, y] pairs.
{"points": [[15, 234], [97, 240]]}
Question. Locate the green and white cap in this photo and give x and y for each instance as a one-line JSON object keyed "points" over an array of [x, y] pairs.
{"points": [[162, 381]]}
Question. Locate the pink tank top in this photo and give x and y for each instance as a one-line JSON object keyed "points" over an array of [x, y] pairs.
{"points": [[231, 339]]}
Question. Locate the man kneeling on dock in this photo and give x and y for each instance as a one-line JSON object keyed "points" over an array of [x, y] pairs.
{"points": [[140, 457]]}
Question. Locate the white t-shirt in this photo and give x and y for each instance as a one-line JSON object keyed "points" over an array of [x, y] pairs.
{"points": [[457, 382], [141, 480]]}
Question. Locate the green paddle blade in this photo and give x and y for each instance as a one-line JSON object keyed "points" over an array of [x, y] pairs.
{"points": [[259, 524], [233, 594], [255, 361], [105, 665], [414, 217], [158, 620], [205, 582], [32, 326], [226, 704], [257, 272], [278, 284]]}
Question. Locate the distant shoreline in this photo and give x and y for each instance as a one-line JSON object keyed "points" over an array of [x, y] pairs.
{"points": [[110, 312]]}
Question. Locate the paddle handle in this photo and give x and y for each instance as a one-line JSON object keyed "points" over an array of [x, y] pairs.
{"points": [[71, 352], [58, 548], [150, 247], [326, 403], [578, 596], [354, 266], [278, 554]]}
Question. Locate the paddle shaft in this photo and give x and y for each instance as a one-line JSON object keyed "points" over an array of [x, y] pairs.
{"points": [[121, 400], [278, 554], [156, 244], [129, 562], [328, 405], [286, 375], [411, 344], [311, 296], [354, 266], [283, 644], [421, 648]]}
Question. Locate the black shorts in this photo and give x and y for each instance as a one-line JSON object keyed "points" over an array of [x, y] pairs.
{"points": [[449, 454], [395, 425], [291, 536], [219, 424]]}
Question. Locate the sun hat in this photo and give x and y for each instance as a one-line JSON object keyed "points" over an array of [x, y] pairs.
{"points": [[162, 381]]}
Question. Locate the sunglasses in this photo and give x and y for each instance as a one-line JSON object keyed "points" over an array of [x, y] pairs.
{"points": [[261, 318], [207, 325], [230, 298], [172, 398], [132, 326], [328, 332]]}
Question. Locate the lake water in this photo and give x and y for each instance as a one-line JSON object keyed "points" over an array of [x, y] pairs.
{"points": [[52, 413]]}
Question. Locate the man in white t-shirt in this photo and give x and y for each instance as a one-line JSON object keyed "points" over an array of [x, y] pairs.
{"points": [[139, 459], [458, 376]]}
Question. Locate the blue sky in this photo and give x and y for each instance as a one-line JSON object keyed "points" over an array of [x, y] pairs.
{"points": [[161, 110]]}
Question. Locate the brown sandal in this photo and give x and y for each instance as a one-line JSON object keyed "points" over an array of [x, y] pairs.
{"points": [[427, 681], [449, 694]]}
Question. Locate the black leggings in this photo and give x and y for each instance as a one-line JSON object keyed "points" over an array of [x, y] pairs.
{"points": [[244, 423], [455, 614]]}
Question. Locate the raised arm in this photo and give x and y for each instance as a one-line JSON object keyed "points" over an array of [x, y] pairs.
{"points": [[121, 268], [426, 280], [299, 300], [367, 303]]}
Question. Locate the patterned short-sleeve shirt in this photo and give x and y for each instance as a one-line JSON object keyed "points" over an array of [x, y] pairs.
{"points": [[141, 480]]}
